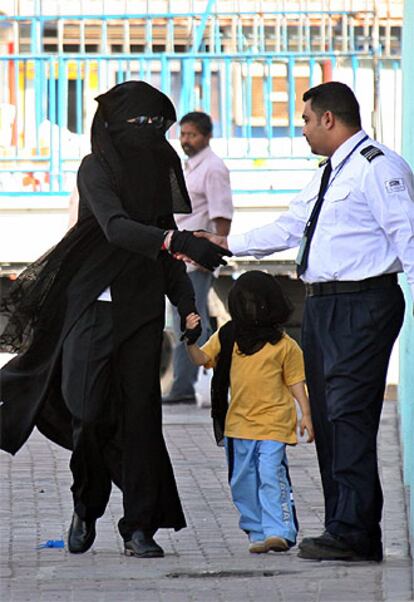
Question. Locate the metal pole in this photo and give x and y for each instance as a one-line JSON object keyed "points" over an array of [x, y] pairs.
{"points": [[198, 36], [376, 74], [406, 386], [408, 82]]}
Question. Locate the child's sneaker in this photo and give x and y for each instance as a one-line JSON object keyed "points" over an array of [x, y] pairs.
{"points": [[275, 543], [257, 547]]}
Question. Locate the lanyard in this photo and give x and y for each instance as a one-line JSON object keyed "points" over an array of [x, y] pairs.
{"points": [[302, 257], [344, 161]]}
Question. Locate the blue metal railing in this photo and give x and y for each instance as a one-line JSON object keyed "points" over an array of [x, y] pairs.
{"points": [[406, 400], [248, 70], [406, 389], [58, 88], [280, 30]]}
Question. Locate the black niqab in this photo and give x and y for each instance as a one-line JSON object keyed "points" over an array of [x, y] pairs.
{"points": [[31, 302], [145, 168], [258, 308]]}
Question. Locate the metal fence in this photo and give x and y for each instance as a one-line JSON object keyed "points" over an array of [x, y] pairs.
{"points": [[247, 69]]}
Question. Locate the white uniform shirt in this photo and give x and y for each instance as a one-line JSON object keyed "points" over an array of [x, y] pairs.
{"points": [[366, 224]]}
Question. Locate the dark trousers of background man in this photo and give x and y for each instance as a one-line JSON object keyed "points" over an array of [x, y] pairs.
{"points": [[185, 372], [347, 341]]}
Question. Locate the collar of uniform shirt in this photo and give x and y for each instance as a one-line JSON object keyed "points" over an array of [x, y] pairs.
{"points": [[359, 140], [346, 147], [192, 162]]}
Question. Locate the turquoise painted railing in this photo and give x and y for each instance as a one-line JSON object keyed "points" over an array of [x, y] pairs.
{"points": [[406, 399], [406, 388], [59, 91], [248, 70]]}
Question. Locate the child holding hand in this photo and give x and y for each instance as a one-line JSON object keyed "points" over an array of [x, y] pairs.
{"points": [[263, 367]]}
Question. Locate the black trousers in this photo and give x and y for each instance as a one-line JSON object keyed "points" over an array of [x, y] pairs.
{"points": [[115, 402], [86, 388], [347, 341]]}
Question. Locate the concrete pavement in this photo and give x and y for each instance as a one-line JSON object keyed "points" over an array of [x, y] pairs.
{"points": [[208, 561]]}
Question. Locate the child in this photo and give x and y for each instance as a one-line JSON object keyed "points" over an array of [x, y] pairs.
{"points": [[265, 372]]}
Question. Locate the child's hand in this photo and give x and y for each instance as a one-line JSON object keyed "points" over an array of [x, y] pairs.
{"points": [[192, 329], [191, 321], [306, 424]]}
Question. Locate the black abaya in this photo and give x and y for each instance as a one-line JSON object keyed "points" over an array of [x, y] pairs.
{"points": [[116, 243]]}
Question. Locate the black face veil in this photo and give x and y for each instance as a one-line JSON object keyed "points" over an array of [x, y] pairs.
{"points": [[145, 169], [258, 308], [146, 173]]}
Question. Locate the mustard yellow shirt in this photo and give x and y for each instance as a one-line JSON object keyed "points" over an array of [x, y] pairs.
{"points": [[261, 406]]}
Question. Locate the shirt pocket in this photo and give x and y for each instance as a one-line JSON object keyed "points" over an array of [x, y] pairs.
{"points": [[335, 207], [307, 200]]}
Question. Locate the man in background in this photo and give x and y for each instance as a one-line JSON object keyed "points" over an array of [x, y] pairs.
{"points": [[208, 184]]}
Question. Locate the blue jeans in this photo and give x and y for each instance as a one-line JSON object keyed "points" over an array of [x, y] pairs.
{"points": [[261, 489], [185, 372]]}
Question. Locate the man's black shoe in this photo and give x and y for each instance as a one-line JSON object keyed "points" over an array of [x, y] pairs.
{"points": [[81, 535], [307, 540], [329, 547], [143, 545]]}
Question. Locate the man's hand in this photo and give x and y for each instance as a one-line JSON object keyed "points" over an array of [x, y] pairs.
{"points": [[221, 241], [184, 245]]}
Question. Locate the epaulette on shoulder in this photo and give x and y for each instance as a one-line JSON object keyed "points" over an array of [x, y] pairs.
{"points": [[370, 152], [323, 162]]}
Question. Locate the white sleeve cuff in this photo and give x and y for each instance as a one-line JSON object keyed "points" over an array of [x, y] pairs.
{"points": [[237, 244]]}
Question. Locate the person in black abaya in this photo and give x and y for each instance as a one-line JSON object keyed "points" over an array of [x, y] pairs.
{"points": [[87, 318]]}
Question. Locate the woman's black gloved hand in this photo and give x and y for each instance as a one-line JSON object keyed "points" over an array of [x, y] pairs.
{"points": [[200, 250]]}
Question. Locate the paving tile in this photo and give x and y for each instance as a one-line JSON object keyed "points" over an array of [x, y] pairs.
{"points": [[208, 561]]}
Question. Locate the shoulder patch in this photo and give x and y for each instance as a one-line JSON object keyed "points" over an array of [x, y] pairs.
{"points": [[395, 185], [370, 152]]}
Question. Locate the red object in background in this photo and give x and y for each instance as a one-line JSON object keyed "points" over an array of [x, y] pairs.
{"points": [[327, 71], [30, 180], [12, 91]]}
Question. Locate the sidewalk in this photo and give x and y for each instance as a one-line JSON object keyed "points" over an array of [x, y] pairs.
{"points": [[208, 561]]}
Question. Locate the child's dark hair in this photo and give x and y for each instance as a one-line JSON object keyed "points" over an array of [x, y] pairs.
{"points": [[258, 308]]}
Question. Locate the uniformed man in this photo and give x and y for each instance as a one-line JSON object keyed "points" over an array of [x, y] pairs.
{"points": [[354, 225]]}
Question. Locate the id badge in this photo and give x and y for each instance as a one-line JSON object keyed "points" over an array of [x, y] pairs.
{"points": [[301, 251]]}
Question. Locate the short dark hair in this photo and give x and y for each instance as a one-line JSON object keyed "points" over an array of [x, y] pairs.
{"points": [[201, 120], [337, 98]]}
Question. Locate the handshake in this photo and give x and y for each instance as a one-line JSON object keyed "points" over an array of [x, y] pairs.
{"points": [[185, 245]]}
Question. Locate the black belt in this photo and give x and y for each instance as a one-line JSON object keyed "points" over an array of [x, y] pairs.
{"points": [[336, 287]]}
